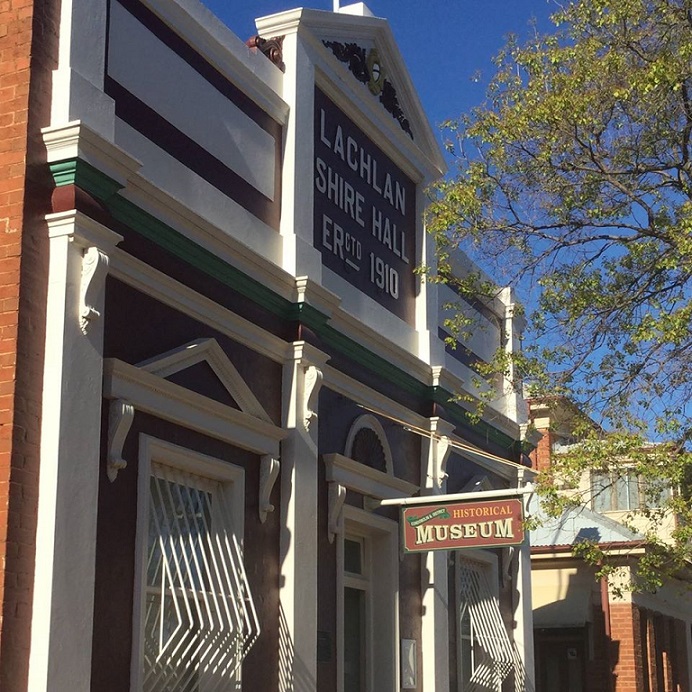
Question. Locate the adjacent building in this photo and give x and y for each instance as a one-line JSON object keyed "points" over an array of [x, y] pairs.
{"points": [[594, 634], [218, 359]]}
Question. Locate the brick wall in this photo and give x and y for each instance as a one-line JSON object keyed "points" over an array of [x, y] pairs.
{"points": [[648, 650], [28, 50], [663, 653], [540, 457], [626, 647]]}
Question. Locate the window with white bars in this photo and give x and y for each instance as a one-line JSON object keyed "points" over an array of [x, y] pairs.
{"points": [[196, 615], [486, 654]]}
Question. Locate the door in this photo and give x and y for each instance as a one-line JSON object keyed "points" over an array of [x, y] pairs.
{"points": [[560, 661]]}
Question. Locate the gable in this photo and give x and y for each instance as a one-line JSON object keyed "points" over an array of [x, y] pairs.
{"points": [[361, 68], [178, 366]]}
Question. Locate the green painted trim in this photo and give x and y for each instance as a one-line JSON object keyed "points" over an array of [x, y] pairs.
{"points": [[64, 172], [84, 175], [309, 316], [371, 361], [461, 416], [319, 323], [177, 244], [105, 188]]}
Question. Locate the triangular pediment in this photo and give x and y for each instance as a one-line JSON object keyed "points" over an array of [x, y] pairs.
{"points": [[361, 68], [192, 362]]}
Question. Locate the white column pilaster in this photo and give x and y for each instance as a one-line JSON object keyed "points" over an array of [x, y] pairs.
{"points": [[63, 605], [435, 620], [523, 615], [299, 468], [78, 80]]}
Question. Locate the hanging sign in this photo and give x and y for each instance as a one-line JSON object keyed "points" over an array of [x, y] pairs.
{"points": [[454, 526]]}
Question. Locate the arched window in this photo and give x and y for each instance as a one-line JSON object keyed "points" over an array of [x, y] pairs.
{"points": [[367, 443]]}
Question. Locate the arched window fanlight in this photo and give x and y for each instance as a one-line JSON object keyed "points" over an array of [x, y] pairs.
{"points": [[367, 443]]}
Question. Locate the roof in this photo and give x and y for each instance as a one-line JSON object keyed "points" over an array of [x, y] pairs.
{"points": [[576, 525]]}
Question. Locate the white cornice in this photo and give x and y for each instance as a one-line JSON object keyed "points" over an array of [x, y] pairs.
{"points": [[379, 344], [370, 399], [76, 140], [152, 199], [82, 230]]}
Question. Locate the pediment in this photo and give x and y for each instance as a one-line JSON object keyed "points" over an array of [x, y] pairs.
{"points": [[191, 363], [361, 68]]}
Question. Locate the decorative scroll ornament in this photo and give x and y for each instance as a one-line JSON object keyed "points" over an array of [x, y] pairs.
{"points": [[312, 385], [94, 271], [443, 448], [272, 48], [368, 69], [354, 55], [269, 472], [120, 416], [336, 499]]}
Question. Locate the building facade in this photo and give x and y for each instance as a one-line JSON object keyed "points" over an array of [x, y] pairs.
{"points": [[219, 359], [594, 634]]}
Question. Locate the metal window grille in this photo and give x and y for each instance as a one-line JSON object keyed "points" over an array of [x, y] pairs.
{"points": [[493, 656], [200, 620]]}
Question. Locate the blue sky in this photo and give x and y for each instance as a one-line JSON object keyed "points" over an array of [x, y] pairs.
{"points": [[445, 43]]}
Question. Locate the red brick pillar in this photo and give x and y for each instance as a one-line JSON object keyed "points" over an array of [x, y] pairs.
{"points": [[540, 457], [28, 50], [626, 647]]}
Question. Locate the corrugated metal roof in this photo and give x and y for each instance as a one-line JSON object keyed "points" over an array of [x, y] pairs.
{"points": [[576, 525]]}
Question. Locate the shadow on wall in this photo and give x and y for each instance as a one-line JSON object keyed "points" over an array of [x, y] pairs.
{"points": [[293, 675], [573, 651]]}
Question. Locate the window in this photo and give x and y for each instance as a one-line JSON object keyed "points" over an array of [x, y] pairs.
{"points": [[368, 607], [357, 607], [561, 443], [195, 615], [486, 655], [627, 492]]}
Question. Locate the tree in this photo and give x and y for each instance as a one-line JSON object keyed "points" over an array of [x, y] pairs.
{"points": [[577, 173]]}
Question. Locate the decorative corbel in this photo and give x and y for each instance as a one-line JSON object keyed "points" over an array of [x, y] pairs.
{"points": [[272, 48], [443, 448], [94, 271], [337, 497], [120, 416], [269, 472], [311, 389]]}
